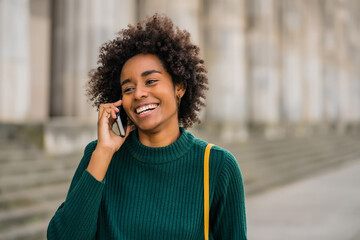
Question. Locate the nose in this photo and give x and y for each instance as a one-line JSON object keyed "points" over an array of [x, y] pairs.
{"points": [[140, 92]]}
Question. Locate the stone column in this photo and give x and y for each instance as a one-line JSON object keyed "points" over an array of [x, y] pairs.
{"points": [[15, 77], [80, 27], [346, 22], [354, 41], [312, 64], [292, 64], [264, 66], [331, 65], [184, 13], [40, 37], [342, 28], [224, 41]]}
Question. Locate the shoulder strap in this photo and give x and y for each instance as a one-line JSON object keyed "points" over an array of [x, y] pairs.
{"points": [[206, 190]]}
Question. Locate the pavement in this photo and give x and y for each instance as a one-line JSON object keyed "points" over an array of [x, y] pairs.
{"points": [[326, 206]]}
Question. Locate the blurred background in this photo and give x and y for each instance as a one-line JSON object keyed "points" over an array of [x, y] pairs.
{"points": [[284, 99]]}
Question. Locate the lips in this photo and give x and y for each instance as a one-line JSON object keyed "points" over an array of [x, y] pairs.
{"points": [[143, 109]]}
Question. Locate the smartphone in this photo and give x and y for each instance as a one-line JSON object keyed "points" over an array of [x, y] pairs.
{"points": [[121, 120]]}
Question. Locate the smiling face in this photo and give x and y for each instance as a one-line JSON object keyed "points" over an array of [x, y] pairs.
{"points": [[149, 95]]}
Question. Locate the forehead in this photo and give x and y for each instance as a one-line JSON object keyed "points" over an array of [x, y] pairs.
{"points": [[140, 63]]}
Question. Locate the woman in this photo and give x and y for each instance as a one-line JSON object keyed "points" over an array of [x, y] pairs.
{"points": [[149, 184]]}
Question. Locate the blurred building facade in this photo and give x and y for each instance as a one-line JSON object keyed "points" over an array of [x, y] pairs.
{"points": [[275, 66]]}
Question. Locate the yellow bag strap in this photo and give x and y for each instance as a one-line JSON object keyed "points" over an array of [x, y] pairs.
{"points": [[206, 190]]}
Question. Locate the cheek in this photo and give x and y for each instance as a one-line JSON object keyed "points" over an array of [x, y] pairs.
{"points": [[126, 105], [169, 98], [171, 103]]}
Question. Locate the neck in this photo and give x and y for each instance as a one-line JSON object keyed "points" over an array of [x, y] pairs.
{"points": [[159, 138]]}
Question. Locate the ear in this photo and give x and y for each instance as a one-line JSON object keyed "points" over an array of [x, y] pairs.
{"points": [[180, 89]]}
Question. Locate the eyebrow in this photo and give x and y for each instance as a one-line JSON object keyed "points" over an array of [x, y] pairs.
{"points": [[149, 72], [144, 74], [125, 81]]}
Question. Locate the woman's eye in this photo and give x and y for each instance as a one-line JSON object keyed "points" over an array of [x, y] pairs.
{"points": [[127, 90], [151, 81]]}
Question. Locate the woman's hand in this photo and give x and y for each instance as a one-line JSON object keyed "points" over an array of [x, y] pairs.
{"points": [[107, 139], [108, 142]]}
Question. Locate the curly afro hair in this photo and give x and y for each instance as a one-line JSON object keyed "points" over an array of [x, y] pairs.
{"points": [[156, 35]]}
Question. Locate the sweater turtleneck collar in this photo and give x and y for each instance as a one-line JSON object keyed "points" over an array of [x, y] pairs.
{"points": [[159, 155]]}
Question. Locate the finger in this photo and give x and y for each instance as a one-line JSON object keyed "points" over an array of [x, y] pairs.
{"points": [[106, 112], [111, 121], [117, 103], [104, 116], [111, 111], [112, 105], [101, 110], [107, 107], [115, 109]]}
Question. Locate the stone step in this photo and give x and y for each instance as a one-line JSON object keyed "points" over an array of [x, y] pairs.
{"points": [[33, 196], [6, 142], [256, 164], [269, 179], [252, 152], [253, 170], [24, 167], [20, 154], [20, 217], [33, 180], [268, 168], [288, 157], [33, 231]]}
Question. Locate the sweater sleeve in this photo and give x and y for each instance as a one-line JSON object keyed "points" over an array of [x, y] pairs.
{"points": [[228, 216], [76, 218]]}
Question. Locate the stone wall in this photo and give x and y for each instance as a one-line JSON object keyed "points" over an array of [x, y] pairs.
{"points": [[275, 66]]}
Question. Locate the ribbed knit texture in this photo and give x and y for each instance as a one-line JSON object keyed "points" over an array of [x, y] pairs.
{"points": [[154, 193]]}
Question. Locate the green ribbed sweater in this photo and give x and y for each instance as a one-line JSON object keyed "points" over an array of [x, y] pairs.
{"points": [[154, 193]]}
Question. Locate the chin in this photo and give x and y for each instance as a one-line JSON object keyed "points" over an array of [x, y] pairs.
{"points": [[146, 127]]}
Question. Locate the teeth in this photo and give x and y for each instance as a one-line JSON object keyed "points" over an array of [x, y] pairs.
{"points": [[146, 108]]}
